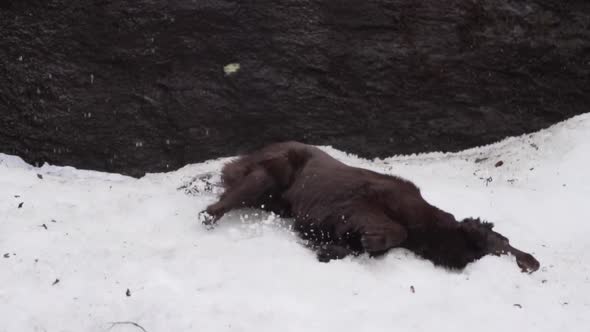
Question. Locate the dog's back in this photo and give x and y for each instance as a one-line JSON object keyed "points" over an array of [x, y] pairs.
{"points": [[281, 160]]}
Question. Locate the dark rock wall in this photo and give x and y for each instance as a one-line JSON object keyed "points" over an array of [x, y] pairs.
{"points": [[139, 86]]}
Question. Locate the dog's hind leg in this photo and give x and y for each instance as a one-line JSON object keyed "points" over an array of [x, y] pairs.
{"points": [[328, 252], [378, 233]]}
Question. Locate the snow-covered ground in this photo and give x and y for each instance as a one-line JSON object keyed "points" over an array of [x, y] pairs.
{"points": [[86, 250]]}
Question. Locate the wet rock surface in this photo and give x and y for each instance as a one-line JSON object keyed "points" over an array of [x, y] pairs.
{"points": [[146, 86]]}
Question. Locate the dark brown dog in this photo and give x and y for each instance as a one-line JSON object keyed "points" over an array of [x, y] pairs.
{"points": [[346, 210]]}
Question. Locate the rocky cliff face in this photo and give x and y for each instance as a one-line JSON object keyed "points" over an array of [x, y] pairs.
{"points": [[150, 85]]}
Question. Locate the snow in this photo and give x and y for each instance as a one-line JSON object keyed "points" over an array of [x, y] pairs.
{"points": [[105, 234]]}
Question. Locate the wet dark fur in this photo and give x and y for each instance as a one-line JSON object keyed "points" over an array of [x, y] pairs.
{"points": [[346, 210]]}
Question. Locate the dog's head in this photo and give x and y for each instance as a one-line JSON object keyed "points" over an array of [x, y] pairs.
{"points": [[482, 236]]}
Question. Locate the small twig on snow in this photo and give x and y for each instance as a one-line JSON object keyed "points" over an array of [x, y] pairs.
{"points": [[113, 324]]}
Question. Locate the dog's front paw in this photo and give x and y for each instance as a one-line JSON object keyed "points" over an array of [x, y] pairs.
{"points": [[207, 219]]}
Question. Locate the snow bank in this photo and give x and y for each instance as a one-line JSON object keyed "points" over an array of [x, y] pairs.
{"points": [[86, 249]]}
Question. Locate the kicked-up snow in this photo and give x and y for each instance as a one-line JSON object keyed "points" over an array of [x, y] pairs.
{"points": [[90, 251]]}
